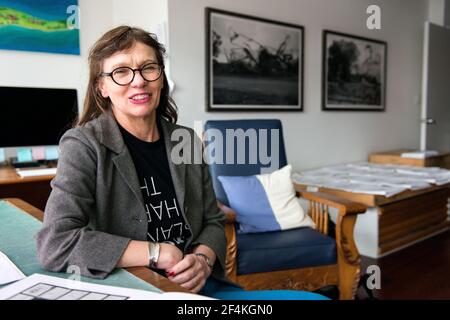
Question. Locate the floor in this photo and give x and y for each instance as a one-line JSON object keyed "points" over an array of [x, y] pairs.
{"points": [[421, 271]]}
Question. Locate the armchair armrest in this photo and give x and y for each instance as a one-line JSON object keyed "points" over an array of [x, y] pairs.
{"points": [[230, 213], [230, 233], [348, 255], [345, 207]]}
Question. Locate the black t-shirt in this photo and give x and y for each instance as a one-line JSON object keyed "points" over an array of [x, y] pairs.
{"points": [[165, 220]]}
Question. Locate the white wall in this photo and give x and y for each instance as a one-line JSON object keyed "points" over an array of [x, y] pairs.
{"points": [[436, 11], [151, 15], [439, 12], [314, 138], [35, 69], [146, 14], [46, 70]]}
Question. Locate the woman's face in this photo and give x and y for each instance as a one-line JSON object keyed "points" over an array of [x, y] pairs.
{"points": [[140, 98]]}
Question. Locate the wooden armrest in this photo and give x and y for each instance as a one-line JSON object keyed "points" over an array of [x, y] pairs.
{"points": [[230, 213], [345, 207], [230, 234]]}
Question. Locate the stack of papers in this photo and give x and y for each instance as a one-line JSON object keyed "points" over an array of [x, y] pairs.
{"points": [[42, 287], [420, 154], [379, 179]]}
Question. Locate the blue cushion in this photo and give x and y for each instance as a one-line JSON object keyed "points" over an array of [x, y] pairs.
{"points": [[235, 168], [248, 198], [282, 250], [265, 202]]}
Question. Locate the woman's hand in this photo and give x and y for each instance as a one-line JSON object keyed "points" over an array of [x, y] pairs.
{"points": [[169, 256], [190, 273]]}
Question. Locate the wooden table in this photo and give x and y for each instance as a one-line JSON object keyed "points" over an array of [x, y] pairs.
{"points": [[141, 272], [34, 190], [398, 221], [394, 157]]}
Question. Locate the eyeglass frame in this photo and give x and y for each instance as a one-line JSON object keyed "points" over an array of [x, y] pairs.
{"points": [[110, 74]]}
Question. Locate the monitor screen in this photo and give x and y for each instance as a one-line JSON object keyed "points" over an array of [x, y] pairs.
{"points": [[35, 116]]}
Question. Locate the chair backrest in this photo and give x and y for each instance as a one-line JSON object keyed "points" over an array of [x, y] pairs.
{"points": [[250, 143]]}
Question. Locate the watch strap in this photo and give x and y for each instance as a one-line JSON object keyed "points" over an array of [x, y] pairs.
{"points": [[153, 253], [207, 259]]}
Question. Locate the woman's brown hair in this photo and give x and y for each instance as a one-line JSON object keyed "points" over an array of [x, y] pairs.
{"points": [[113, 41]]}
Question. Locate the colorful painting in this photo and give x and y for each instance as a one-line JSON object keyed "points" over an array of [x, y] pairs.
{"points": [[40, 25]]}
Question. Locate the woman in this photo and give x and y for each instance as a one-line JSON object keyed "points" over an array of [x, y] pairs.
{"points": [[118, 200]]}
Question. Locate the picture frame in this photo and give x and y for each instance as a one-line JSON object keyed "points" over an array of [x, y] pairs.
{"points": [[353, 73], [49, 26], [252, 64]]}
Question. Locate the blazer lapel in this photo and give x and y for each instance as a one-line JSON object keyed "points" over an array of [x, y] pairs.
{"points": [[125, 166], [112, 138], [178, 171]]}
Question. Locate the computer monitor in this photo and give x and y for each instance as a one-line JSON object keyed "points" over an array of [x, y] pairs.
{"points": [[35, 116]]}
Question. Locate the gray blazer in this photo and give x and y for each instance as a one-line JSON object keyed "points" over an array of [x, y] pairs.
{"points": [[96, 206]]}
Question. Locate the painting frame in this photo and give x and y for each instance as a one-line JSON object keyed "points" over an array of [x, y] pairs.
{"points": [[50, 26], [291, 72], [377, 99]]}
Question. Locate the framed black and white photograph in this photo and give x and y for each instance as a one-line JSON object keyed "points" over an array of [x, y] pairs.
{"points": [[252, 64], [354, 73]]}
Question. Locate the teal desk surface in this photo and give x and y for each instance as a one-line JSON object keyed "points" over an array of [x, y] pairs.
{"points": [[17, 230]]}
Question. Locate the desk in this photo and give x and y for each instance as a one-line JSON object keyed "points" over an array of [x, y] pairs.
{"points": [[34, 190], [396, 222], [394, 157], [17, 236]]}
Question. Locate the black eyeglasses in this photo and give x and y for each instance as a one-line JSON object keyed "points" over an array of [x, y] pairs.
{"points": [[125, 75]]}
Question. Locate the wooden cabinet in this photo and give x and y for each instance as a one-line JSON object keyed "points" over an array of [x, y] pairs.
{"points": [[394, 157], [405, 222], [392, 223], [33, 190]]}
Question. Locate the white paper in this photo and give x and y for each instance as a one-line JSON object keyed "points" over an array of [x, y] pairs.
{"points": [[36, 172], [38, 286], [8, 270], [419, 154], [371, 178]]}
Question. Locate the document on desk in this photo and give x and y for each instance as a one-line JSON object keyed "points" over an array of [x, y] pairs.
{"points": [[8, 270], [42, 287], [371, 178]]}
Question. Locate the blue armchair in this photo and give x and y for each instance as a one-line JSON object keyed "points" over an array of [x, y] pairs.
{"points": [[301, 258]]}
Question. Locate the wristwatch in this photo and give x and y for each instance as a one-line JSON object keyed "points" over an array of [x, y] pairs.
{"points": [[153, 253], [207, 259]]}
